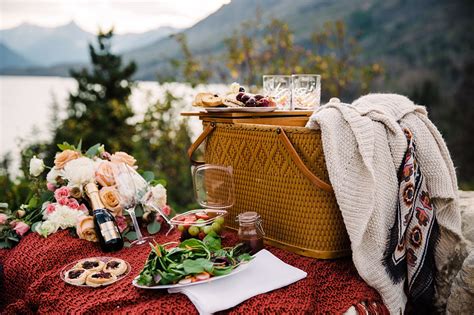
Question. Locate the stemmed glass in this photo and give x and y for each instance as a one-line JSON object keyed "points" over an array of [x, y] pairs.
{"points": [[131, 188]]}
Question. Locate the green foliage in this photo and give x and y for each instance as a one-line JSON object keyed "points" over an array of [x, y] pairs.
{"points": [[333, 54], [256, 49], [162, 141], [99, 110], [192, 69]]}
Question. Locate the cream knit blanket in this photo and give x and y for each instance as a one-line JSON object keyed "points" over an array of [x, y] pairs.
{"points": [[364, 145]]}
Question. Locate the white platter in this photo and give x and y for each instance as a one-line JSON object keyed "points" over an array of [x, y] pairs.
{"points": [[169, 286], [239, 109]]}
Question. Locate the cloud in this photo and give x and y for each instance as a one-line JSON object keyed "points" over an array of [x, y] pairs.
{"points": [[125, 15]]}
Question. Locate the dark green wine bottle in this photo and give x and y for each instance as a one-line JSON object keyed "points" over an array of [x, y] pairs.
{"points": [[106, 228]]}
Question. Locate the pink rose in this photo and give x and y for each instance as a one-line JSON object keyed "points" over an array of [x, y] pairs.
{"points": [[166, 210], [21, 228], [50, 208], [72, 203], [3, 218], [105, 155], [51, 186], [61, 193], [121, 222], [63, 201], [83, 209]]}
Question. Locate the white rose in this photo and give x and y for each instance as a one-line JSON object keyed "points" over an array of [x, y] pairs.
{"points": [[79, 171], [64, 217], [47, 228], [156, 196], [53, 175], [36, 166]]}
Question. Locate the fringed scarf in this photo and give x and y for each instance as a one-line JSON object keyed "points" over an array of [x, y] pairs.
{"points": [[410, 252]]}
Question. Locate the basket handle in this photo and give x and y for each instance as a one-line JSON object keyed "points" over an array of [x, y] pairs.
{"points": [[286, 142], [207, 131], [300, 164]]}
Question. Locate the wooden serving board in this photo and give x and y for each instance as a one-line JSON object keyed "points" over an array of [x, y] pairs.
{"points": [[278, 118]]}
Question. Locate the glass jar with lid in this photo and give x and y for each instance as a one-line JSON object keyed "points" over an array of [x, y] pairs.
{"points": [[251, 231]]}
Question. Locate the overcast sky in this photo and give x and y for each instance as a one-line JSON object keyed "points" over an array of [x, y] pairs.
{"points": [[125, 15]]}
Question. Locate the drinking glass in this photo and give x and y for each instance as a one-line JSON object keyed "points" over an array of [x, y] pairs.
{"points": [[306, 91], [278, 87], [131, 188]]}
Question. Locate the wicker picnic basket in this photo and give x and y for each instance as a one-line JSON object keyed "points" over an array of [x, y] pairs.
{"points": [[280, 172]]}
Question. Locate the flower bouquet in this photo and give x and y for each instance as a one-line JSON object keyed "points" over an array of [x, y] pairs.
{"points": [[63, 204]]}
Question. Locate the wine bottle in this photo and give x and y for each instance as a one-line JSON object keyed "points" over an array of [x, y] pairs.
{"points": [[105, 226]]}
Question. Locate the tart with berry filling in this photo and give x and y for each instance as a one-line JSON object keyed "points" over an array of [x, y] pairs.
{"points": [[91, 264], [98, 278], [76, 276], [115, 266]]}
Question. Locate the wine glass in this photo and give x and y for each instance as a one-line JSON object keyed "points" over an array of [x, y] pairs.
{"points": [[131, 188]]}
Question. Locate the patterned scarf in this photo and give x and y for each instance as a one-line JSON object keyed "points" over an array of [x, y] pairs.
{"points": [[410, 251]]}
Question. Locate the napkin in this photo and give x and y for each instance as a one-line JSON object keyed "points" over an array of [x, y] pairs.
{"points": [[264, 273]]}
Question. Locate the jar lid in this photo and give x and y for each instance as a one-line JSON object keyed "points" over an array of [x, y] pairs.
{"points": [[248, 217]]}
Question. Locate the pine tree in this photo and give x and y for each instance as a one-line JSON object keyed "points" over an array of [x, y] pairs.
{"points": [[98, 112]]}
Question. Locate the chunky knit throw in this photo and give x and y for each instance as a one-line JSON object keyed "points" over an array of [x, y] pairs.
{"points": [[364, 146]]}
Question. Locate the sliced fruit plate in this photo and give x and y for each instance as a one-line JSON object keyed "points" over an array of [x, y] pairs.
{"points": [[198, 223]]}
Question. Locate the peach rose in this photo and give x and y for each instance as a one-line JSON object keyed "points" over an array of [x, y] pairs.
{"points": [[85, 228], [122, 157], [111, 200], [105, 174], [62, 158]]}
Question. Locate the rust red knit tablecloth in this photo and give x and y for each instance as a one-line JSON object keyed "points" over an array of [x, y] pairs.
{"points": [[32, 283]]}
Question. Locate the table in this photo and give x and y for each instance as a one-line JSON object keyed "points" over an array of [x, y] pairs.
{"points": [[32, 283]]}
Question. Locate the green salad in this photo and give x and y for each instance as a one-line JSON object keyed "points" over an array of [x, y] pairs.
{"points": [[192, 260]]}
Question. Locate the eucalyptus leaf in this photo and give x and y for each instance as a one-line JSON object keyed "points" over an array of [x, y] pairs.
{"points": [[5, 244], [13, 238], [79, 145], [127, 244], [66, 146], [131, 236], [139, 211], [153, 227], [33, 203], [35, 225], [92, 151], [162, 182], [148, 176], [47, 196]]}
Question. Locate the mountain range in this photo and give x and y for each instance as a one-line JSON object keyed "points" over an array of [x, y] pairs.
{"points": [[39, 46], [431, 37]]}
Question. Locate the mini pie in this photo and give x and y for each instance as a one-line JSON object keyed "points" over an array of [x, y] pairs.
{"points": [[76, 276], [97, 278], [116, 266], [91, 264]]}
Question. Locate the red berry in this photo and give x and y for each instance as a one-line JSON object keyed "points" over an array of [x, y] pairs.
{"points": [[201, 235]]}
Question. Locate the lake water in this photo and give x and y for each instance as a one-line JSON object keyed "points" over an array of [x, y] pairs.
{"points": [[26, 106]]}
